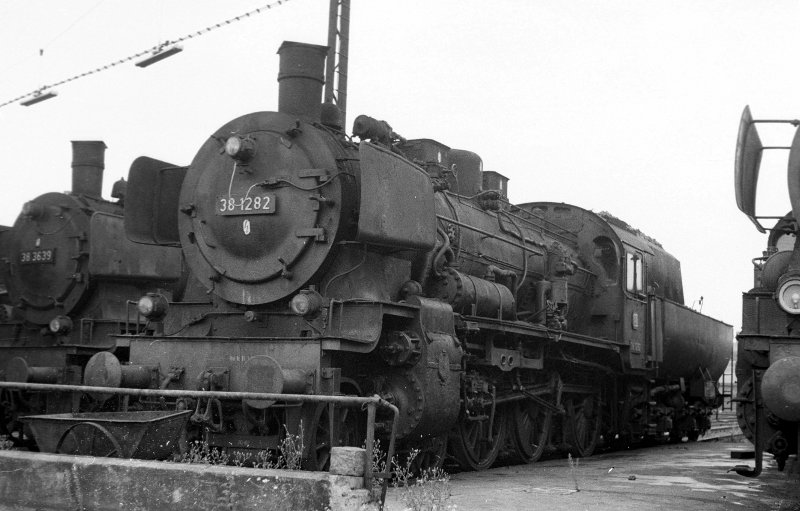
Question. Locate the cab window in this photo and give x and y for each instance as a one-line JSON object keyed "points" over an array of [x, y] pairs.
{"points": [[633, 263]]}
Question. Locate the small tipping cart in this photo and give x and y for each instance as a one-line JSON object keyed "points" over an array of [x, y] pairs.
{"points": [[146, 435]]}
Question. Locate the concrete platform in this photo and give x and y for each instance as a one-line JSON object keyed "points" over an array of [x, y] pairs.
{"points": [[690, 476], [40, 481]]}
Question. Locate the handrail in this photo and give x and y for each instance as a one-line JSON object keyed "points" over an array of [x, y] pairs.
{"points": [[370, 402]]}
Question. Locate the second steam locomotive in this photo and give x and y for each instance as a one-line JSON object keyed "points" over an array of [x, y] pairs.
{"points": [[321, 264], [768, 362]]}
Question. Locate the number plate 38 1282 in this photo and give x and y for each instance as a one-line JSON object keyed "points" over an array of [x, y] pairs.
{"points": [[262, 204]]}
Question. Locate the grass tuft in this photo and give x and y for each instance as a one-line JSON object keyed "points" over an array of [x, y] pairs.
{"points": [[6, 444], [429, 491], [573, 470]]}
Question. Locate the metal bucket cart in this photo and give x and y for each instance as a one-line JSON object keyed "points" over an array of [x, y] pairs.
{"points": [[146, 435]]}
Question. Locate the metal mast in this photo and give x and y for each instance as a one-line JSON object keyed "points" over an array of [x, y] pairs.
{"points": [[338, 44]]}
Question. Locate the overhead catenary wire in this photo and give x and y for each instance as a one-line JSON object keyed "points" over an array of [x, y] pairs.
{"points": [[70, 27], [152, 50], [40, 51]]}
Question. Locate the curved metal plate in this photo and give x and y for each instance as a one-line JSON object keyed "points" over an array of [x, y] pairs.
{"points": [[151, 215], [397, 207], [113, 255], [748, 161], [793, 177]]}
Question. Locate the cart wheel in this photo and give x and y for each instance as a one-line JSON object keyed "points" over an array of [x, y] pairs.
{"points": [[89, 439]]}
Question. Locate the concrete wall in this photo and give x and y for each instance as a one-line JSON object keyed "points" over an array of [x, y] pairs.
{"points": [[48, 481]]}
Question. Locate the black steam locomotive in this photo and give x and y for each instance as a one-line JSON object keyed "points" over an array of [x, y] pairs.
{"points": [[324, 265], [69, 275], [768, 363]]}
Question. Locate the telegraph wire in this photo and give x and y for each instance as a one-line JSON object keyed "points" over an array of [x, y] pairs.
{"points": [[153, 50]]}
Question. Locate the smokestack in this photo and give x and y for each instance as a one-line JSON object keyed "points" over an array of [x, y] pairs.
{"points": [[88, 162], [300, 80]]}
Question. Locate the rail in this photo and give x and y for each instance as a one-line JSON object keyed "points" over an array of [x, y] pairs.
{"points": [[370, 402]]}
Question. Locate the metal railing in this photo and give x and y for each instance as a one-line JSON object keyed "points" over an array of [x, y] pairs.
{"points": [[371, 403]]}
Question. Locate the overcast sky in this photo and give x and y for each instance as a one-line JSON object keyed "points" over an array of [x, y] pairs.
{"points": [[629, 107]]}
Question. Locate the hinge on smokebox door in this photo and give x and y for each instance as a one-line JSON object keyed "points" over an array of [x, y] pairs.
{"points": [[318, 233], [322, 175]]}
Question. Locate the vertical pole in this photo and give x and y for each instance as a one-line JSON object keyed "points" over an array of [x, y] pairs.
{"points": [[344, 49], [332, 439], [733, 371], [387, 473], [338, 48], [370, 442], [330, 64]]}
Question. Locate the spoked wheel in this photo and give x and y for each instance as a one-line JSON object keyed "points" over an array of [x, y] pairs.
{"points": [[89, 439], [583, 425], [476, 443], [529, 429], [348, 430], [431, 456]]}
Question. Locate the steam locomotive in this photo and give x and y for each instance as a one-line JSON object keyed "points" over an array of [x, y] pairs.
{"points": [[326, 264], [69, 274], [768, 363]]}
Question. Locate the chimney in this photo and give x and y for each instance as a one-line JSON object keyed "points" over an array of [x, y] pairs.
{"points": [[88, 162], [300, 79]]}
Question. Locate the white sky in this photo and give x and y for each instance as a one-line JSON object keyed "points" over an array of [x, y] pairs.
{"points": [[626, 106]]}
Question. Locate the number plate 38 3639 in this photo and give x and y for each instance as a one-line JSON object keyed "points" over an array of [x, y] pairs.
{"points": [[39, 256], [261, 204]]}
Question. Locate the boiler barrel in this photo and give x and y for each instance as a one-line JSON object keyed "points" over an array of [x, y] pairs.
{"points": [[693, 341]]}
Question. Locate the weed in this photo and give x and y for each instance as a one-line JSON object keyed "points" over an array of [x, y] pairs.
{"points": [[6, 444], [430, 491], [291, 449], [573, 470], [378, 466], [200, 452], [239, 458], [264, 460], [290, 455]]}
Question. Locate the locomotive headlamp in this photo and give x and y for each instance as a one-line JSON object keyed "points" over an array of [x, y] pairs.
{"points": [[240, 149], [788, 295], [306, 303], [60, 325], [33, 210], [153, 306]]}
